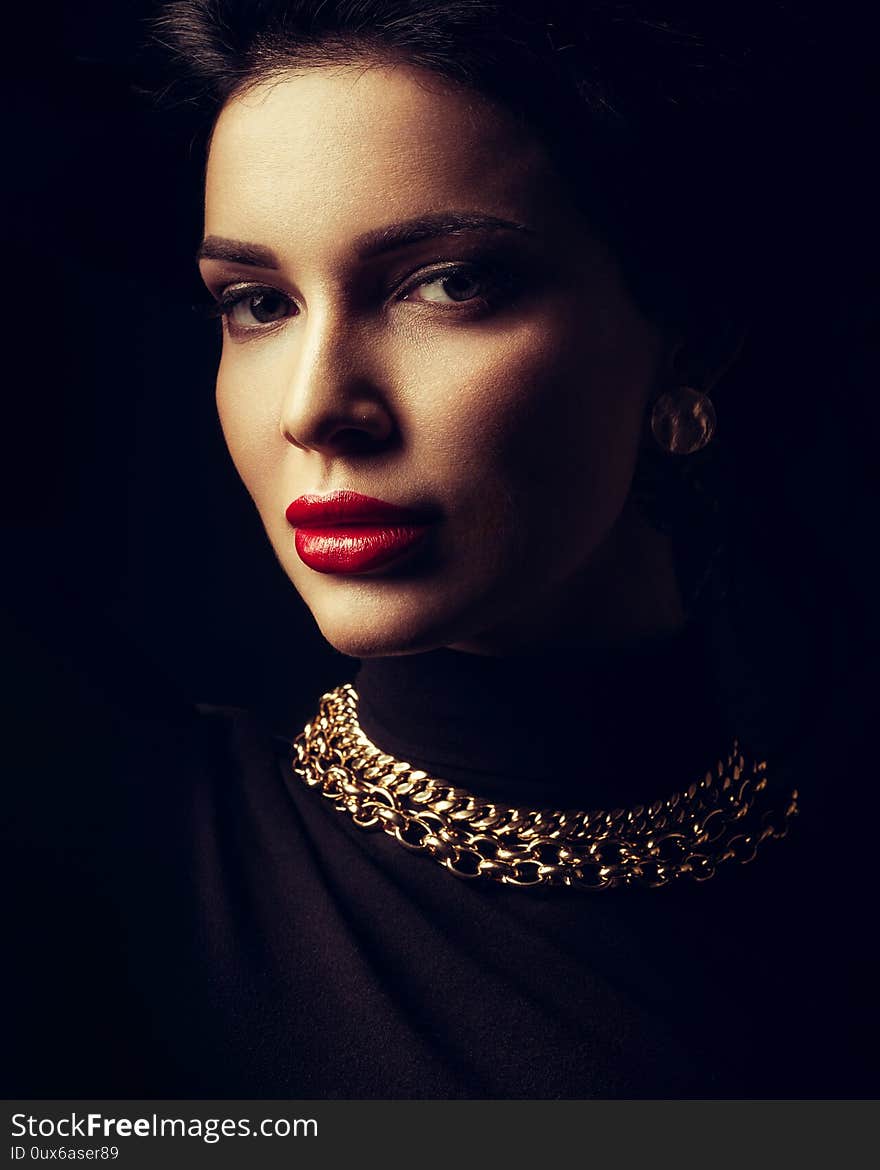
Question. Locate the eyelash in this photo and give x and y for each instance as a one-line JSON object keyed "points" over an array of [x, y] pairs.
{"points": [[497, 281]]}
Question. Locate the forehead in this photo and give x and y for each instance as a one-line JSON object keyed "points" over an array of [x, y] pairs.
{"points": [[336, 150]]}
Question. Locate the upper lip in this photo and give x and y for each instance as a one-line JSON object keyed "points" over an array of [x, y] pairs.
{"points": [[343, 507]]}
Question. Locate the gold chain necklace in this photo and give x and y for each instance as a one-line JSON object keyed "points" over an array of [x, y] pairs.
{"points": [[724, 817]]}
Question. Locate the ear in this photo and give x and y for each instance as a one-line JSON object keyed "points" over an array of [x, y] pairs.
{"points": [[701, 357]]}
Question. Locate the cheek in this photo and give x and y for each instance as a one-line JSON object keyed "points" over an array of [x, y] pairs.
{"points": [[249, 421], [557, 400]]}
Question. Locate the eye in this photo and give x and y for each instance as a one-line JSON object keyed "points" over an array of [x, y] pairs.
{"points": [[250, 308], [470, 285], [452, 287]]}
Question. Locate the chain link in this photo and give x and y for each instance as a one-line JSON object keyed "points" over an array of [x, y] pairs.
{"points": [[724, 817]]}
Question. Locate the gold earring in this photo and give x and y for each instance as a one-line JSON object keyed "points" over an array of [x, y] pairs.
{"points": [[683, 420]]}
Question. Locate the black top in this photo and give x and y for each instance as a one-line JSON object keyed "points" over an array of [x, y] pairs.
{"points": [[211, 927]]}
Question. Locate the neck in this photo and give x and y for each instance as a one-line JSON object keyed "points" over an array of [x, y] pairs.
{"points": [[591, 728]]}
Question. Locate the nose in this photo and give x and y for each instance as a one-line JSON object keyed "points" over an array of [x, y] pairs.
{"points": [[333, 401]]}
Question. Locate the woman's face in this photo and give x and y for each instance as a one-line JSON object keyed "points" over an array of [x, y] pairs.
{"points": [[416, 312]]}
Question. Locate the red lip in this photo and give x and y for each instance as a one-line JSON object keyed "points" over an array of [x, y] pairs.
{"points": [[346, 532], [345, 508]]}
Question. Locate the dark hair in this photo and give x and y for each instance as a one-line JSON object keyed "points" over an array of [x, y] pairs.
{"points": [[706, 141]]}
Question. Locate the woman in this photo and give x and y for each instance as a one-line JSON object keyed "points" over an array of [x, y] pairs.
{"points": [[479, 331]]}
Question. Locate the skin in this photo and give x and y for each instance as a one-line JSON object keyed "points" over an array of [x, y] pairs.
{"points": [[517, 413]]}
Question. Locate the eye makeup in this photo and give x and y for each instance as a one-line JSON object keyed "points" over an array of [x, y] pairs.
{"points": [[470, 288]]}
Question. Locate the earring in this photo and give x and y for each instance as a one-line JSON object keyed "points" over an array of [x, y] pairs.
{"points": [[683, 421], [682, 497]]}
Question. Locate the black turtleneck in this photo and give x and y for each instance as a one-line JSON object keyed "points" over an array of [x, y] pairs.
{"points": [[227, 932]]}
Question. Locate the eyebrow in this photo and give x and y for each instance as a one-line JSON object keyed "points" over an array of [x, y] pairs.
{"points": [[428, 227], [372, 243], [236, 252]]}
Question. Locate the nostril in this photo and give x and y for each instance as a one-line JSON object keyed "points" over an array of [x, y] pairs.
{"points": [[356, 440], [332, 426]]}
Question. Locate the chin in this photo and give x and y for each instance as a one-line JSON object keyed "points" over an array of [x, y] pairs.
{"points": [[378, 641], [383, 625]]}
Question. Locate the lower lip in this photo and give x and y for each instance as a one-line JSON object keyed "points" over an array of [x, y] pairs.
{"points": [[356, 549]]}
